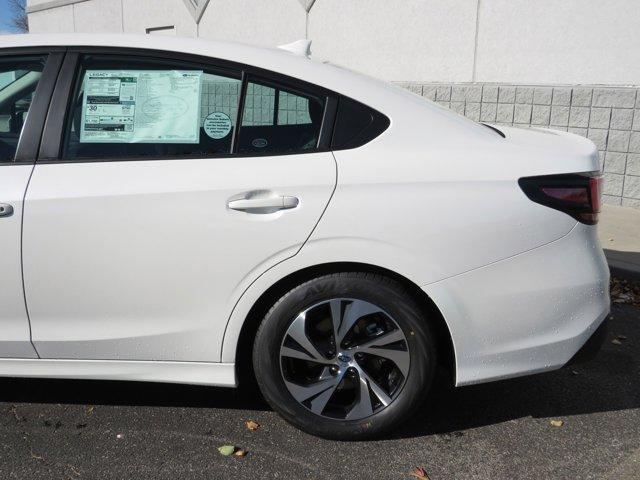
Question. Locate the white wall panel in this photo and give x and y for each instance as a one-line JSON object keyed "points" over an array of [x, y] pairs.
{"points": [[98, 16], [55, 20], [518, 41], [409, 40], [559, 42], [138, 15], [266, 23]]}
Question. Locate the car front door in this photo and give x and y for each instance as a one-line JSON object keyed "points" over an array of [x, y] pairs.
{"points": [[143, 229], [26, 82]]}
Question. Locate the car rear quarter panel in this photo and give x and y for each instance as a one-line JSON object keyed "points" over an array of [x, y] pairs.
{"points": [[425, 206], [435, 206]]}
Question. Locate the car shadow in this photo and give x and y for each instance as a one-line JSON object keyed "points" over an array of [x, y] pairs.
{"points": [[606, 383], [137, 394]]}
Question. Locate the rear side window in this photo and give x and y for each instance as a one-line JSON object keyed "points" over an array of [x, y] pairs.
{"points": [[126, 107], [277, 119], [135, 107], [19, 77]]}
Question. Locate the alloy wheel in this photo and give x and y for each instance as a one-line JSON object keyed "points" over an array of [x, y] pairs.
{"points": [[344, 359]]}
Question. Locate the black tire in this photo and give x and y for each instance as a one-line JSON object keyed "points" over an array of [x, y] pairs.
{"points": [[381, 291]]}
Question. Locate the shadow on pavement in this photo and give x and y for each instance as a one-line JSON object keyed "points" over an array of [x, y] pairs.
{"points": [[89, 392], [607, 383]]}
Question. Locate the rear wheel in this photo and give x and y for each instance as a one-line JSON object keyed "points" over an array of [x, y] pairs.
{"points": [[345, 356]]}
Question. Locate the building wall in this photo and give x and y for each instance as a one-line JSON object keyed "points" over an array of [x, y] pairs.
{"points": [[570, 64], [609, 116]]}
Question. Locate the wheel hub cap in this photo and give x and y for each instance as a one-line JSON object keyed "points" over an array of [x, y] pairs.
{"points": [[344, 358]]}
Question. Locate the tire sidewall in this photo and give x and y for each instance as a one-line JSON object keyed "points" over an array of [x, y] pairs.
{"points": [[387, 295]]}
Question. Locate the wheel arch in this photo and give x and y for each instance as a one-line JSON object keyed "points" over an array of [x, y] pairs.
{"points": [[244, 346]]}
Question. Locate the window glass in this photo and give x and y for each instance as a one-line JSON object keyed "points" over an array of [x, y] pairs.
{"points": [[259, 105], [279, 120], [19, 78], [124, 107], [356, 124]]}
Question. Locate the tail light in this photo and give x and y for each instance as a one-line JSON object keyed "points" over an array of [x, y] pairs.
{"points": [[576, 194]]}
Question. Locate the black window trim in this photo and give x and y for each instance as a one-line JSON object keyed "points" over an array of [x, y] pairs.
{"points": [[53, 136], [30, 137]]}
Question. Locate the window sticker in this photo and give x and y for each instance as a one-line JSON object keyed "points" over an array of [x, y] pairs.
{"points": [[141, 106], [217, 125]]}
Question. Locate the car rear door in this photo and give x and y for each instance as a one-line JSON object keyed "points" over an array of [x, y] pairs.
{"points": [[27, 78], [149, 212]]}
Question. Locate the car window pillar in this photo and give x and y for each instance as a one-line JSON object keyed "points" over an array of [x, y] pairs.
{"points": [[29, 141], [52, 135]]}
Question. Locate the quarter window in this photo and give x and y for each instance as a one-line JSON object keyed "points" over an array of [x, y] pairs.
{"points": [[19, 79]]}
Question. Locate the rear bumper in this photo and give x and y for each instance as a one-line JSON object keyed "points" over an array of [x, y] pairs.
{"points": [[529, 313], [590, 349]]}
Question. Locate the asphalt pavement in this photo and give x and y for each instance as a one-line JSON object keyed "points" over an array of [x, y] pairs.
{"points": [[114, 430]]}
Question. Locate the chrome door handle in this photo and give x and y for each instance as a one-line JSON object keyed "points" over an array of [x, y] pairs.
{"points": [[6, 210], [261, 204]]}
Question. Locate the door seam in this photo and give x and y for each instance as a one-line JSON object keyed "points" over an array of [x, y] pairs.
{"points": [[24, 288], [24, 201], [235, 305]]}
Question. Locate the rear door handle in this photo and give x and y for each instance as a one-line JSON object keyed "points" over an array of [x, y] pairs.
{"points": [[6, 210], [263, 204]]}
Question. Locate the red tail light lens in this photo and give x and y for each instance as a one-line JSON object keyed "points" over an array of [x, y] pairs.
{"points": [[596, 182], [577, 195]]}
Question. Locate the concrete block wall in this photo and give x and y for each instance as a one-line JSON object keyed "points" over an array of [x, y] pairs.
{"points": [[609, 116], [221, 95]]}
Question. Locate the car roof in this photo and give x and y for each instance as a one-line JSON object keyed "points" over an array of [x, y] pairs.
{"points": [[278, 60], [197, 46], [393, 101]]}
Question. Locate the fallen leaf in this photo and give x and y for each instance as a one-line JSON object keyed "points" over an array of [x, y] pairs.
{"points": [[615, 341], [556, 423], [90, 409], [419, 473], [621, 337], [252, 425], [624, 292], [14, 411], [575, 372], [75, 471], [36, 457], [226, 450], [240, 453]]}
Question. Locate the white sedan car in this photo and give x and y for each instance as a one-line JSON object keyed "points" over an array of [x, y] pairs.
{"points": [[176, 210]]}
